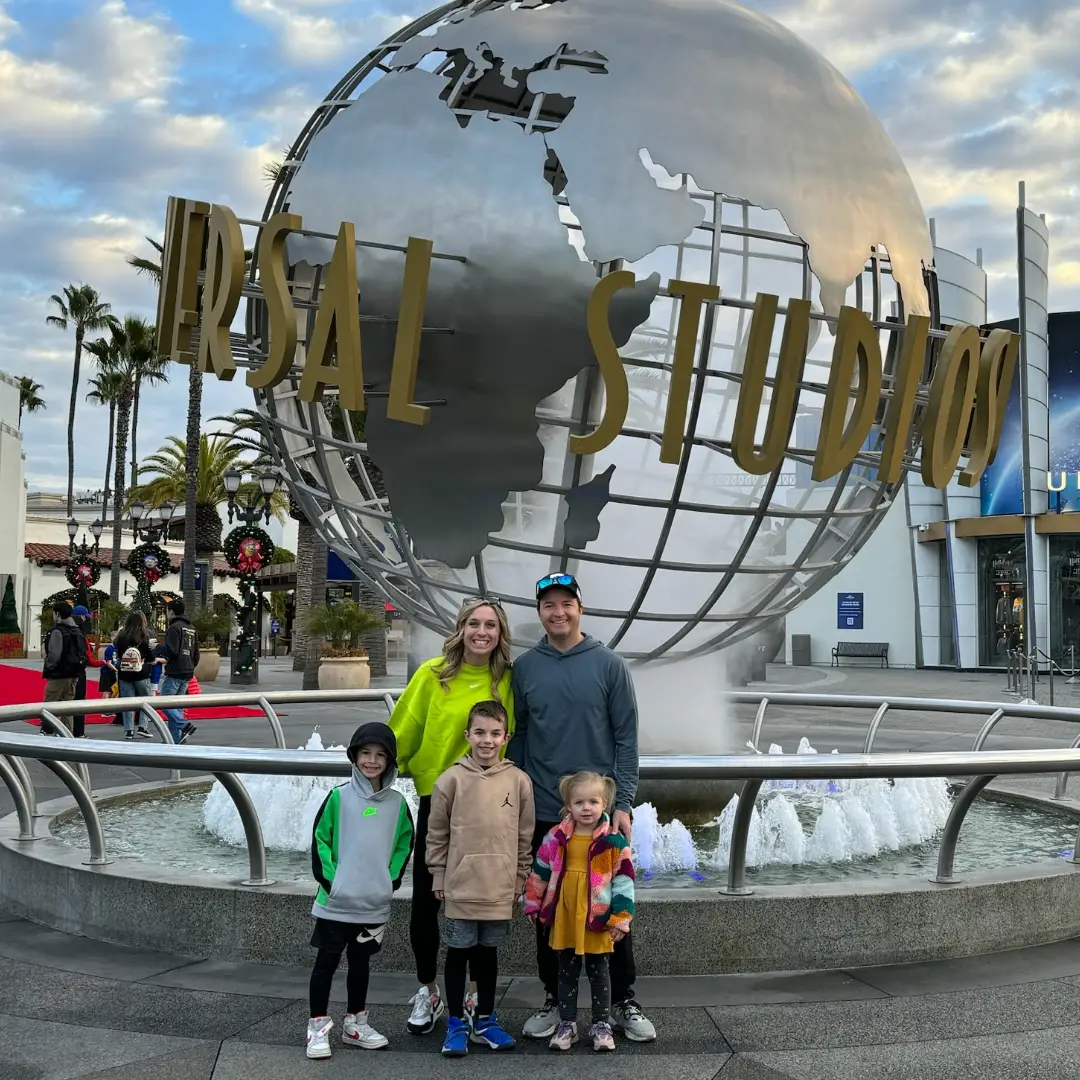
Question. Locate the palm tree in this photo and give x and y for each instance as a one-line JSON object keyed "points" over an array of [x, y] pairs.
{"points": [[152, 269], [169, 482], [124, 354], [152, 370], [106, 387], [80, 306], [29, 398]]}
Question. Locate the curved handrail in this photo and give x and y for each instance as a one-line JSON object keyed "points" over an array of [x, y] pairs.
{"points": [[275, 723], [249, 818], [1063, 777], [759, 720], [19, 766], [740, 834], [18, 796], [162, 729], [961, 805], [872, 730], [64, 732], [85, 803], [984, 731]]}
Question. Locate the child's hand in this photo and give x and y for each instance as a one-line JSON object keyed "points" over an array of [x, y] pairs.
{"points": [[617, 934], [439, 894]]}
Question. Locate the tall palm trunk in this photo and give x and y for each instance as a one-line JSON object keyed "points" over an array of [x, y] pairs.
{"points": [[302, 603], [375, 640], [194, 424], [108, 462], [318, 596], [71, 421], [135, 432], [123, 425]]}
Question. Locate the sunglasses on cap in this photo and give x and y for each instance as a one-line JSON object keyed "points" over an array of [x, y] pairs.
{"points": [[562, 581]]}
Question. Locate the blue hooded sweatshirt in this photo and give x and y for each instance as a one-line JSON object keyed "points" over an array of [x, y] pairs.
{"points": [[574, 711]]}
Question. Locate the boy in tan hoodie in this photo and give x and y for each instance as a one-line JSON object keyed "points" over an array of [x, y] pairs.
{"points": [[479, 853]]}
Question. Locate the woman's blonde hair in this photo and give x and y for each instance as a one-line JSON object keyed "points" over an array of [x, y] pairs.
{"points": [[569, 784], [454, 647]]}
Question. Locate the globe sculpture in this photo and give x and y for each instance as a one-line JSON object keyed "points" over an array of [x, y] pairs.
{"points": [[540, 145]]}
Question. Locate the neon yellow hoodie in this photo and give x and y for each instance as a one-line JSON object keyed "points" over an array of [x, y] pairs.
{"points": [[429, 721]]}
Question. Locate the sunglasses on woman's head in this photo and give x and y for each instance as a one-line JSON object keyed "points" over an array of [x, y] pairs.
{"points": [[491, 601]]}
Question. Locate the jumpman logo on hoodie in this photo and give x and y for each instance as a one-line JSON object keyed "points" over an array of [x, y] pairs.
{"points": [[507, 802]]}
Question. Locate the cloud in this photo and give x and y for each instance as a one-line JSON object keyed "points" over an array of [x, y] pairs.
{"points": [[312, 32]]}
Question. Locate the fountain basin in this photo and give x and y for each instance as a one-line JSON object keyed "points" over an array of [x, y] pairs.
{"points": [[683, 931]]}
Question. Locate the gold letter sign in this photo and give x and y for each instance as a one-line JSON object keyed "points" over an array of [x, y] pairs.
{"points": [[181, 261]]}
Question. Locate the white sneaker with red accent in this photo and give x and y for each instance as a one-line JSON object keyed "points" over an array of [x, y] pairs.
{"points": [[318, 1036], [427, 1010], [356, 1031]]}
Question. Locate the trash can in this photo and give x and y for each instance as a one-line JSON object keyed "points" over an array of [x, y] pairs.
{"points": [[757, 664], [800, 650]]}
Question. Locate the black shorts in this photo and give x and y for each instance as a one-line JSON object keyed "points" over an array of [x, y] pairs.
{"points": [[335, 936]]}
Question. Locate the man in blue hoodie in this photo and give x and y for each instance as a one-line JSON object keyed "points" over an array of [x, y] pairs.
{"points": [[574, 710]]}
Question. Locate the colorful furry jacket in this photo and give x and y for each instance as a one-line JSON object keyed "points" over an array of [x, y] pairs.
{"points": [[611, 877]]}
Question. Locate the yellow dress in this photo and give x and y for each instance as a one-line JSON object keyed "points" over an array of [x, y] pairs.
{"points": [[569, 931]]}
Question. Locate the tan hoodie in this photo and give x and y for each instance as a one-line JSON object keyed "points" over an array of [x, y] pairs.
{"points": [[479, 843]]}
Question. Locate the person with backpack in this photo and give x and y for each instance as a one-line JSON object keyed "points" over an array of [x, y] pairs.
{"points": [[181, 655], [134, 659], [65, 657], [85, 622]]}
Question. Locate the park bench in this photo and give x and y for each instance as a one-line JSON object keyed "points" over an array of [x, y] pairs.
{"points": [[863, 650]]}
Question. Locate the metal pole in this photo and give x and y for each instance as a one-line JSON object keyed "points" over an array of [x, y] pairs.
{"points": [[960, 807], [86, 807], [1063, 777], [388, 701], [18, 796], [275, 723], [984, 731], [1051, 681], [28, 785], [740, 834], [871, 733], [61, 729], [249, 818], [759, 720], [163, 730]]}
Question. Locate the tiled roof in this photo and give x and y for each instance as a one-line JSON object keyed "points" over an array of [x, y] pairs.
{"points": [[57, 555]]}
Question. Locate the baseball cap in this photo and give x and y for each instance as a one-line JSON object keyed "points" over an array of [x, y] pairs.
{"points": [[558, 581], [82, 610]]}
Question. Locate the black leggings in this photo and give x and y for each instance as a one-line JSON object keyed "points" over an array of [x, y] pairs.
{"points": [[596, 968], [424, 916], [482, 962], [356, 979]]}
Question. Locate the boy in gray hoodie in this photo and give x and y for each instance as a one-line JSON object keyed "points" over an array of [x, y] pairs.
{"points": [[360, 847]]}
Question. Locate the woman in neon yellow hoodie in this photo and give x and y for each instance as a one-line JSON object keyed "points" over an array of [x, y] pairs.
{"points": [[429, 722]]}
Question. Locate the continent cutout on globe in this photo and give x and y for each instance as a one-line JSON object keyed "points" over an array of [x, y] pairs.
{"points": [[583, 506], [398, 164]]}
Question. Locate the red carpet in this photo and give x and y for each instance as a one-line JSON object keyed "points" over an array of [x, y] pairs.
{"points": [[22, 686]]}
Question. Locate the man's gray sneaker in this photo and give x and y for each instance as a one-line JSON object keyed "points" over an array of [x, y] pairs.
{"points": [[542, 1024], [628, 1018]]}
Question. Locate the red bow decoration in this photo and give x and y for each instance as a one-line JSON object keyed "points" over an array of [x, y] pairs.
{"points": [[249, 557]]}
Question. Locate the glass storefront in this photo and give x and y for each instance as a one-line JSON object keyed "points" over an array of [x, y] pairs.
{"points": [[1001, 571], [1065, 599]]}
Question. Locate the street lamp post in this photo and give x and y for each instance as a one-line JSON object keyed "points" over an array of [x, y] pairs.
{"points": [[248, 548], [83, 569], [149, 561]]}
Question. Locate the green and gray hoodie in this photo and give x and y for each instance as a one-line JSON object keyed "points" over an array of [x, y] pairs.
{"points": [[360, 847]]}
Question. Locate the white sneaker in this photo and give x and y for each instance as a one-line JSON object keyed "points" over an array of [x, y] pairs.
{"points": [[470, 1007], [543, 1022], [628, 1018], [427, 1010], [318, 1036], [356, 1031]]}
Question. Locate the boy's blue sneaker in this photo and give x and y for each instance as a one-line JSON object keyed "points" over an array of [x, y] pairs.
{"points": [[487, 1030], [456, 1043]]}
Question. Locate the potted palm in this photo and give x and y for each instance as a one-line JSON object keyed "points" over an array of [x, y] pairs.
{"points": [[210, 625], [344, 661]]}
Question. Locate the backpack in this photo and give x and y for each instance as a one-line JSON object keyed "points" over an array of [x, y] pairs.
{"points": [[132, 660], [73, 659]]}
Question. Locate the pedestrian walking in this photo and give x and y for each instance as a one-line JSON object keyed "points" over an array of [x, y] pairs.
{"points": [[65, 658], [135, 658], [181, 655]]}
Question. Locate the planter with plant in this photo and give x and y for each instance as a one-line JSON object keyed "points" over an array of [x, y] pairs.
{"points": [[210, 625], [343, 660]]}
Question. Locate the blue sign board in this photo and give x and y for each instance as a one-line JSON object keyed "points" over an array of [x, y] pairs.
{"points": [[275, 627], [849, 611]]}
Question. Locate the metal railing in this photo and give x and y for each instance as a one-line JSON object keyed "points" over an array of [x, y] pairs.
{"points": [[69, 759]]}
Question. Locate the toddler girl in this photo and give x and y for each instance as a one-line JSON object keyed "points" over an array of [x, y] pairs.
{"points": [[582, 886]]}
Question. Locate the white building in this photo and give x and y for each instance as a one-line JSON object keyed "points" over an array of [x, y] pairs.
{"points": [[12, 494]]}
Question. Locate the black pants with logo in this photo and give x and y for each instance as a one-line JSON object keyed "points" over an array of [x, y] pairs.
{"points": [[623, 969]]}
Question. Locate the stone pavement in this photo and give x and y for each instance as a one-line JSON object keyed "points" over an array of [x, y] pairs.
{"points": [[72, 1008]]}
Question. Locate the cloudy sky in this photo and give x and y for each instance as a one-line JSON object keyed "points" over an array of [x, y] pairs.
{"points": [[108, 107]]}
